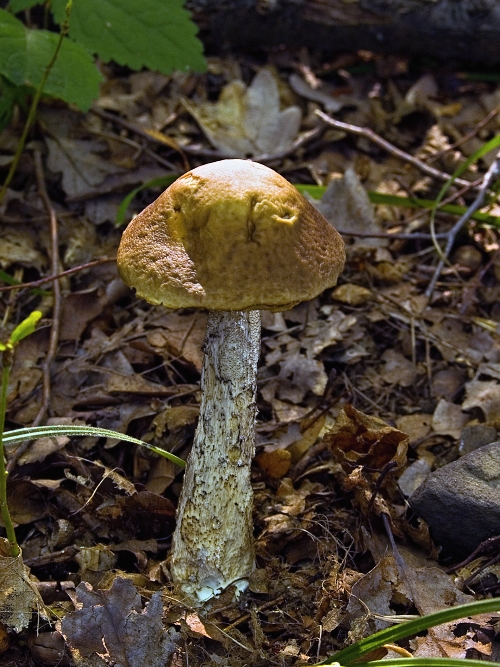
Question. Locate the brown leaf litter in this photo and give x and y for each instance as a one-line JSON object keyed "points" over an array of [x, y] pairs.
{"points": [[362, 391]]}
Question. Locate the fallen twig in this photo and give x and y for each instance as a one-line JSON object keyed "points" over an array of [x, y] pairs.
{"points": [[390, 148], [388, 235], [49, 279], [491, 175], [56, 309], [151, 135], [200, 151]]}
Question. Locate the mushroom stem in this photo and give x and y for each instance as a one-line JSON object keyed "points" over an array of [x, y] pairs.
{"points": [[213, 544]]}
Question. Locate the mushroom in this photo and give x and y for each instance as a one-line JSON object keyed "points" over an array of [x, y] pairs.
{"points": [[233, 237]]}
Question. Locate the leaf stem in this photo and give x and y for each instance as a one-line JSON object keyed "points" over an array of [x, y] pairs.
{"points": [[34, 104], [4, 508]]}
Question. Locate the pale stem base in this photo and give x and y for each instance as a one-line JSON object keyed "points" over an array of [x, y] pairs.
{"points": [[213, 543]]}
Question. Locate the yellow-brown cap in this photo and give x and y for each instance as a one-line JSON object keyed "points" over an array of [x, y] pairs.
{"points": [[230, 235]]}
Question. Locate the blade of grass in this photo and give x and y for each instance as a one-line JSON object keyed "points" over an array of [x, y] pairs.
{"points": [[428, 662], [162, 181], [317, 191], [477, 155], [9, 280], [390, 635], [32, 433]]}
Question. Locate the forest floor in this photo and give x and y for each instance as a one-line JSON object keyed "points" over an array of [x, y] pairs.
{"points": [[394, 340]]}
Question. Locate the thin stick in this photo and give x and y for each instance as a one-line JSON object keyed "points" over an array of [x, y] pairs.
{"points": [[56, 310], [68, 272], [489, 178], [390, 148], [202, 152], [151, 135], [389, 235]]}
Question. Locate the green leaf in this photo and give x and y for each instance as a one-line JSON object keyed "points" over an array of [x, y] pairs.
{"points": [[26, 327], [352, 654], [19, 5], [10, 95], [12, 48], [162, 181], [25, 53], [157, 34], [6, 278], [472, 159], [34, 432], [9, 280]]}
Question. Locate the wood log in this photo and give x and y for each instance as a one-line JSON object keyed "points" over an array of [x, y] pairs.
{"points": [[465, 31]]}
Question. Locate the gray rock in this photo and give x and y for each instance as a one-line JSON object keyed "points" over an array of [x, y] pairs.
{"points": [[461, 501], [474, 436]]}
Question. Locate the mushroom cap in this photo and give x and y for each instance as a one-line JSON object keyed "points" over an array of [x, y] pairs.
{"points": [[230, 235]]}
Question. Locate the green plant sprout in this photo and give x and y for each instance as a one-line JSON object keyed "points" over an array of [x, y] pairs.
{"points": [[22, 330], [25, 328]]}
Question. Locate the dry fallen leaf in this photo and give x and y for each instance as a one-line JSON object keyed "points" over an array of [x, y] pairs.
{"points": [[398, 369], [18, 246], [248, 121], [346, 205], [112, 626], [485, 396], [448, 419], [26, 502], [80, 163], [358, 439], [410, 578], [353, 295], [324, 94], [19, 598], [416, 426], [275, 463], [178, 335]]}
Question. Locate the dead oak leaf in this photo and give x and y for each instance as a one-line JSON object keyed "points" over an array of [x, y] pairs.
{"points": [[111, 625], [346, 203], [320, 334], [80, 163], [248, 121]]}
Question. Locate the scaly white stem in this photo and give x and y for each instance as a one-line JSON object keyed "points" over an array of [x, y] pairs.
{"points": [[213, 543]]}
